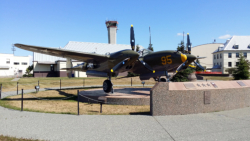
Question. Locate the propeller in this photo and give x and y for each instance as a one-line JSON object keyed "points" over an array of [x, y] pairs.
{"points": [[119, 65], [146, 65], [132, 38], [188, 44], [199, 65]]}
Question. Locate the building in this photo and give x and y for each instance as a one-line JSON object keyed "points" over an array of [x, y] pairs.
{"points": [[50, 66], [227, 55], [13, 66], [205, 50]]}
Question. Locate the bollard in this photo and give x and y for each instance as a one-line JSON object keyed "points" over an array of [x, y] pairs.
{"points": [[131, 81], [100, 107], [17, 88], [22, 101], [60, 84], [0, 91], [78, 100]]}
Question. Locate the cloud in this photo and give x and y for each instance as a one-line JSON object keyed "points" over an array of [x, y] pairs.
{"points": [[225, 36], [180, 34]]}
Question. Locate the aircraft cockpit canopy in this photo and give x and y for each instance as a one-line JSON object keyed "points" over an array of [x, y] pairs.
{"points": [[144, 52]]}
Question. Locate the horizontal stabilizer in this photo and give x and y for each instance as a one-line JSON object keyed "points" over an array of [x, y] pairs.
{"points": [[200, 57]]}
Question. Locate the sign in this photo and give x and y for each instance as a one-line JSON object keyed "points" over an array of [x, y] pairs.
{"points": [[207, 97], [189, 86], [241, 83], [37, 87]]}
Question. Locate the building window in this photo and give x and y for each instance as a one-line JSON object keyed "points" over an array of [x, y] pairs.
{"points": [[16, 63], [214, 56], [245, 54], [220, 55], [217, 56], [236, 46], [229, 64], [237, 63], [7, 61], [237, 55], [24, 63], [229, 55]]}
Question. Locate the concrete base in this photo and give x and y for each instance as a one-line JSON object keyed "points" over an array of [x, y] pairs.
{"points": [[121, 96], [198, 97]]}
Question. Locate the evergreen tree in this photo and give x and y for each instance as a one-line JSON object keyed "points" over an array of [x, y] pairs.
{"points": [[242, 70], [150, 47], [181, 47], [182, 75]]}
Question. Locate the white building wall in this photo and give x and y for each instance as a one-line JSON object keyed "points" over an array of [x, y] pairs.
{"points": [[13, 70], [41, 67], [205, 50]]}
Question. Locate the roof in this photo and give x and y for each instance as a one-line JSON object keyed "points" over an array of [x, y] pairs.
{"points": [[243, 43], [4, 67], [98, 48]]}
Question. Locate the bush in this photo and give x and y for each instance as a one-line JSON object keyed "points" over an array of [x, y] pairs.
{"points": [[30, 75], [182, 75], [230, 70]]}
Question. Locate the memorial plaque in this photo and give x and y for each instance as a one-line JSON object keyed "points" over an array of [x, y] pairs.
{"points": [[207, 96], [241, 83], [215, 86], [189, 86]]}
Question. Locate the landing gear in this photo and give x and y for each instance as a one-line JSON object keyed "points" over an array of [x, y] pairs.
{"points": [[162, 80], [108, 86]]}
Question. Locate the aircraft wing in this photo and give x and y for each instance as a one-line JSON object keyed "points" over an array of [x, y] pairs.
{"points": [[76, 55]]}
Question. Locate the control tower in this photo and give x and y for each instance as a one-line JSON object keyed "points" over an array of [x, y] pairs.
{"points": [[112, 29]]}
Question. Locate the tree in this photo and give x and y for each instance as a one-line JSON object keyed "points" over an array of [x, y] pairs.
{"points": [[137, 47], [242, 68], [28, 70], [181, 47], [150, 47], [182, 75]]}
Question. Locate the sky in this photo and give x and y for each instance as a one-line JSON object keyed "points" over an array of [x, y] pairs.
{"points": [[53, 23]]}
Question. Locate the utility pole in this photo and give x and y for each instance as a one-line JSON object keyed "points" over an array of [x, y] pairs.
{"points": [[13, 48]]}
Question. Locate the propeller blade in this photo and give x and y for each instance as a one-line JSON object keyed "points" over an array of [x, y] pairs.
{"points": [[132, 38], [199, 65], [188, 44], [146, 65], [119, 65]]}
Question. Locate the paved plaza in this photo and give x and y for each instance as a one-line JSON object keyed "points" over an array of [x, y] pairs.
{"points": [[224, 125]]}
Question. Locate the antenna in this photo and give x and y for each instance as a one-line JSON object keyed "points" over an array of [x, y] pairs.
{"points": [[150, 45], [13, 48]]}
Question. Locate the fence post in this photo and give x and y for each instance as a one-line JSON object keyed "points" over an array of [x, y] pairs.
{"points": [[17, 88], [22, 101], [60, 84], [100, 107], [78, 101], [1, 92], [131, 81]]}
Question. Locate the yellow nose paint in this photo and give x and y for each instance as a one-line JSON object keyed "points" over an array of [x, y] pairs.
{"points": [[183, 57], [111, 70]]}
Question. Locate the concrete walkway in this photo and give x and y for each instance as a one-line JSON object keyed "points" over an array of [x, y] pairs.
{"points": [[15, 79], [225, 125]]}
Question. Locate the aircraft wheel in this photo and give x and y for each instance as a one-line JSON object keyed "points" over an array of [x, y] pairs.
{"points": [[107, 86], [163, 80]]}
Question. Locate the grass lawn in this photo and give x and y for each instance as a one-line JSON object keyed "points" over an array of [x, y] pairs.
{"points": [[68, 106], [49, 82], [218, 78], [7, 138]]}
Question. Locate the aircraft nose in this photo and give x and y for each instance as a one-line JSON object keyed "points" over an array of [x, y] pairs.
{"points": [[190, 58]]}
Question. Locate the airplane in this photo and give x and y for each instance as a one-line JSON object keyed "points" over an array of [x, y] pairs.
{"points": [[147, 63]]}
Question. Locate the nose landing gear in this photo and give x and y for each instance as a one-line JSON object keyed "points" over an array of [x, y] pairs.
{"points": [[108, 86]]}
